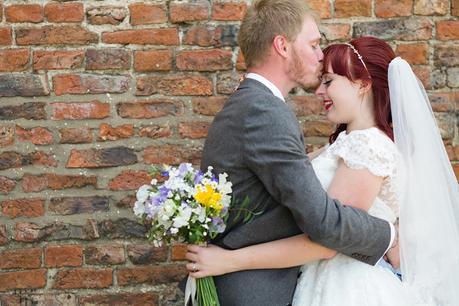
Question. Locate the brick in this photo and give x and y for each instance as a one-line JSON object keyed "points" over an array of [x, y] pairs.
{"points": [[83, 278], [150, 275], [203, 36], [335, 31], [55, 35], [5, 36], [3, 235], [143, 254], [350, 8], [193, 130], [142, 13], [108, 59], [180, 85], [444, 102], [318, 128], [30, 208], [25, 298], [431, 7], [50, 60], [106, 15], [109, 157], [150, 109], [455, 8], [423, 74], [396, 29], [166, 36], [107, 132], [121, 299], [188, 12], [24, 85], [129, 180], [80, 110], [453, 152], [446, 124], [446, 55], [7, 133], [127, 202], [57, 256], [438, 78], [30, 111], [20, 258], [228, 82], [32, 232], [78, 205], [153, 60], [6, 186], [37, 183], [322, 7], [208, 106], [104, 255], [121, 228], [448, 29], [90, 84], [171, 155], [75, 135], [415, 54], [393, 8], [307, 105], [155, 131], [179, 252], [14, 60], [456, 170], [228, 11], [9, 159], [453, 77], [24, 13], [64, 12], [240, 62], [37, 136], [30, 279], [204, 60]]}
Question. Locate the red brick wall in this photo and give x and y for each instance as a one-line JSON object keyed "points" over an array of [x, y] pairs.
{"points": [[93, 92]]}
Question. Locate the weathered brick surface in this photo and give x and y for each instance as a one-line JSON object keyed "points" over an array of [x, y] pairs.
{"points": [[93, 93]]}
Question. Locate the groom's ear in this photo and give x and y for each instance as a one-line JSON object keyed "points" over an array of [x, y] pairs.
{"points": [[281, 45]]}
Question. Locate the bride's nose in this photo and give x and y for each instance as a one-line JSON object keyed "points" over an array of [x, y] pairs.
{"points": [[320, 91]]}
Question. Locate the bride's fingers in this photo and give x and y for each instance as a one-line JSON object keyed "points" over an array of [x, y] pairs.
{"points": [[191, 257], [191, 267], [199, 274], [193, 248]]}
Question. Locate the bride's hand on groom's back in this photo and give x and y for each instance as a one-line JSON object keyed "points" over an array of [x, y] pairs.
{"points": [[209, 261]]}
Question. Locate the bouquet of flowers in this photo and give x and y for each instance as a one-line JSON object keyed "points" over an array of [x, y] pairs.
{"points": [[191, 207]]}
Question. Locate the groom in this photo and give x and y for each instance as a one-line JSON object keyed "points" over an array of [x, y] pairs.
{"points": [[256, 139]]}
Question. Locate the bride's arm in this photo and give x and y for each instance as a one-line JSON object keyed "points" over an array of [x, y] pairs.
{"points": [[316, 153], [283, 253], [355, 187]]}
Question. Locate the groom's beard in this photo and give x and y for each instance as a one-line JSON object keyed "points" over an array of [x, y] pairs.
{"points": [[303, 77]]}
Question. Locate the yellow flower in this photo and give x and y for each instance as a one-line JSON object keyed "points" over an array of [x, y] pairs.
{"points": [[208, 197]]}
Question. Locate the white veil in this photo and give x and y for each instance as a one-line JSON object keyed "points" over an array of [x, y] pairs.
{"points": [[428, 193]]}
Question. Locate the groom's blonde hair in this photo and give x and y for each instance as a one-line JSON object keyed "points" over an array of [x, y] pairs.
{"points": [[266, 19]]}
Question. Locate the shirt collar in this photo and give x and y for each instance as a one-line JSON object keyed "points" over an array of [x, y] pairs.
{"points": [[267, 83]]}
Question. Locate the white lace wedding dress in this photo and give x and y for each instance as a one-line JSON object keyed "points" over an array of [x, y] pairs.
{"points": [[342, 280]]}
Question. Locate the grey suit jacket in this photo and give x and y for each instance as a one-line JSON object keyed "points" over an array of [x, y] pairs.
{"points": [[256, 139]]}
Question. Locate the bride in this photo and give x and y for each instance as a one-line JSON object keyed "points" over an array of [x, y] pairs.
{"points": [[387, 141]]}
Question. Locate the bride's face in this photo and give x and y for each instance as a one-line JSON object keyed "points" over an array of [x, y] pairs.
{"points": [[341, 98]]}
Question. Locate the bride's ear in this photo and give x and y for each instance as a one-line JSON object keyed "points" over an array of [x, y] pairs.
{"points": [[365, 87]]}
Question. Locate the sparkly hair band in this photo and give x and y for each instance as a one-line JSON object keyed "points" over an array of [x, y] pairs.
{"points": [[359, 56]]}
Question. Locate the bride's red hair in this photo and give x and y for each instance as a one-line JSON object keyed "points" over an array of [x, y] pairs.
{"points": [[377, 55]]}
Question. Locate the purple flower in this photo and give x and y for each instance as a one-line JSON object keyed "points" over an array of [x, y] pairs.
{"points": [[218, 225], [198, 177]]}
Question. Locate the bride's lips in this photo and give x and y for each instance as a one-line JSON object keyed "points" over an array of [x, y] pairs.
{"points": [[328, 104]]}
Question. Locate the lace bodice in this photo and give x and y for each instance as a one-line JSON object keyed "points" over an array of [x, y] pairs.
{"points": [[364, 149]]}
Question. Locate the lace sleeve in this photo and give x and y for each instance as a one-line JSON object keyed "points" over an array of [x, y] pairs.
{"points": [[367, 149]]}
